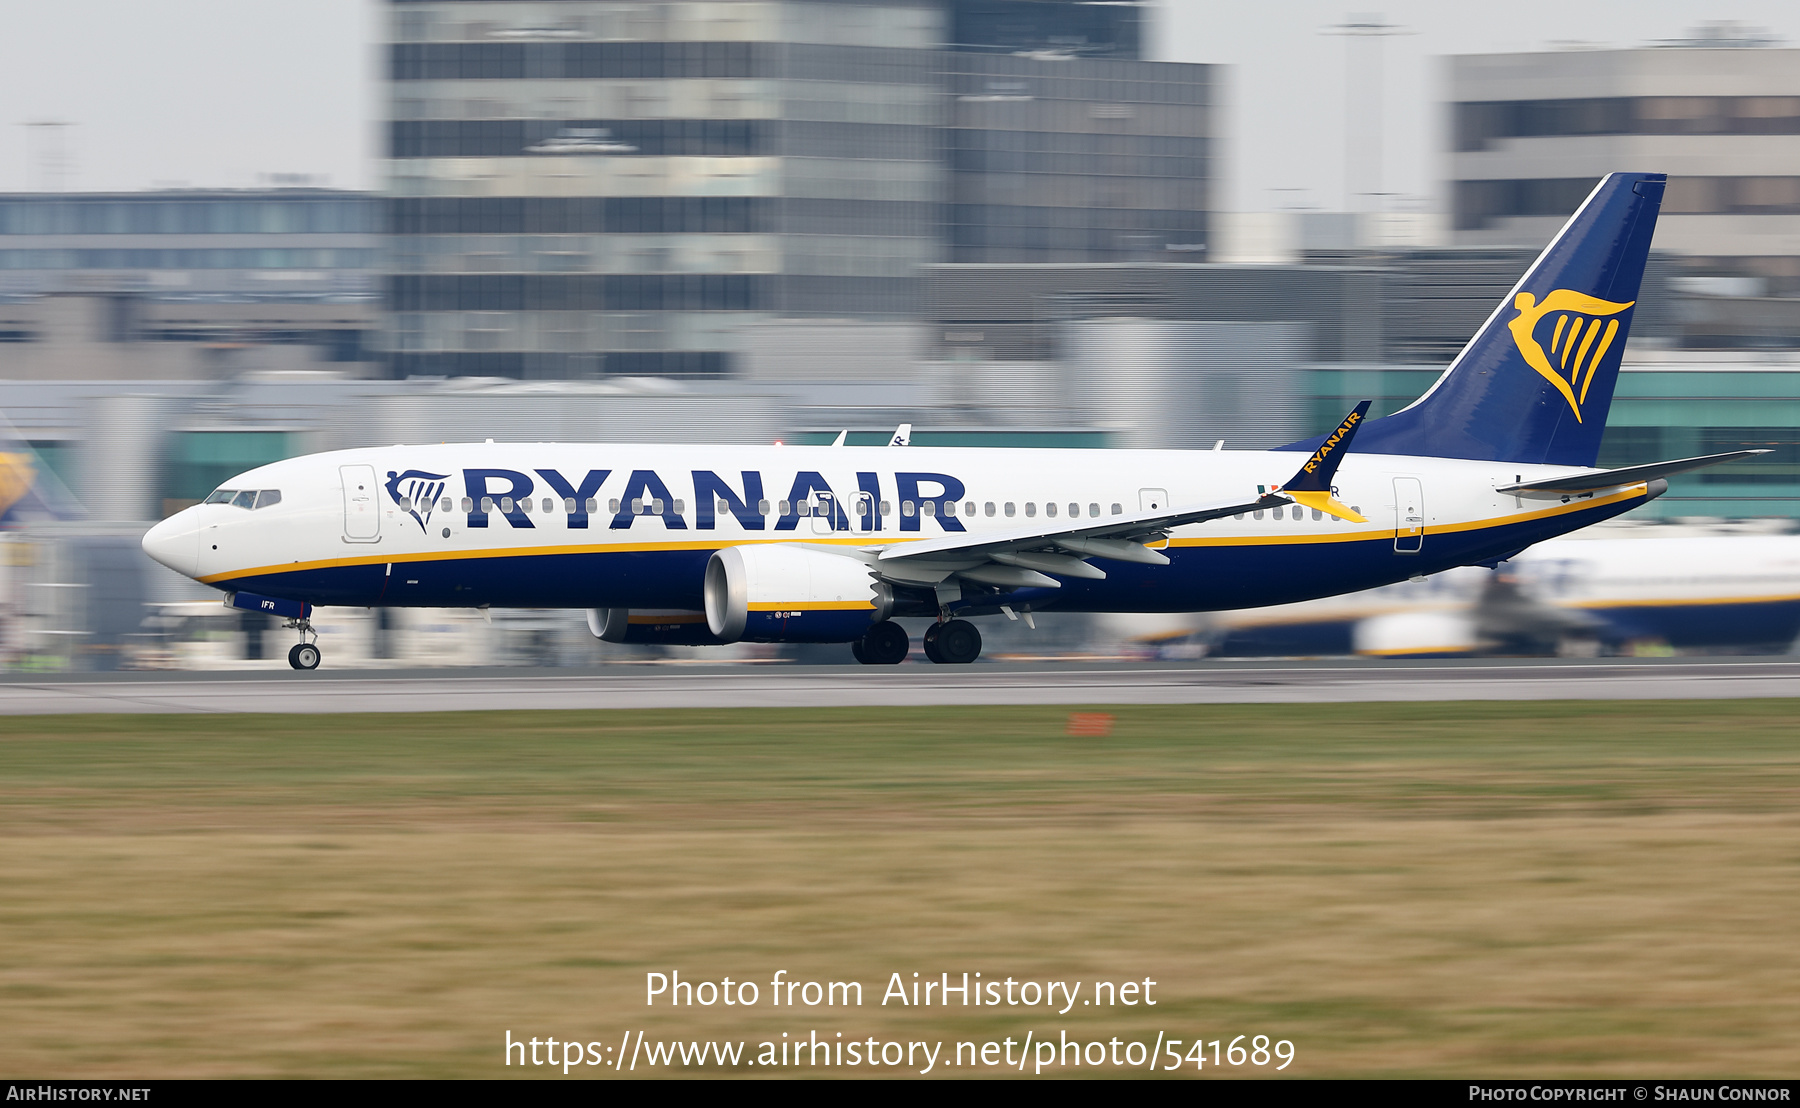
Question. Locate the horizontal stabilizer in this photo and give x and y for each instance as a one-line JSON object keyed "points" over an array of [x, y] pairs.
{"points": [[1576, 483]]}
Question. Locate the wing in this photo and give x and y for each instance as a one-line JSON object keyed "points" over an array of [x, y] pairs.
{"points": [[1025, 557]]}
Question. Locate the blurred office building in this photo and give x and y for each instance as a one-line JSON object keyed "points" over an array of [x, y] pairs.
{"points": [[1719, 111], [586, 189], [187, 284]]}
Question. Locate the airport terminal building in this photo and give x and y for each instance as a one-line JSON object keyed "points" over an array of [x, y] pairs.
{"points": [[585, 189]]}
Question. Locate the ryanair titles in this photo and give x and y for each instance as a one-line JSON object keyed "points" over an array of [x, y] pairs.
{"points": [[620, 499]]}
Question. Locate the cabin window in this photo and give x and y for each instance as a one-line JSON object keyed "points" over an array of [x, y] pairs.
{"points": [[550, 505], [1118, 510], [637, 507], [613, 505], [762, 507], [785, 506], [680, 506], [1355, 509], [988, 509], [245, 499], [887, 508], [467, 504], [1074, 511], [592, 505], [569, 505], [524, 504], [1030, 509], [906, 508], [1050, 510], [723, 507], [1093, 511], [928, 508], [1009, 509], [969, 508], [1258, 515], [221, 496], [1240, 515], [506, 504], [657, 506], [1317, 515]]}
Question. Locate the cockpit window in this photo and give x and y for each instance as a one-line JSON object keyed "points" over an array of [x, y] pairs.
{"points": [[267, 497], [221, 496], [245, 499]]}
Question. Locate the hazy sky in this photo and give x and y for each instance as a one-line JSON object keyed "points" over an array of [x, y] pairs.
{"points": [[219, 92]]}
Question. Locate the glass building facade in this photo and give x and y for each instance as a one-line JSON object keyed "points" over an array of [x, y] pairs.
{"points": [[1077, 160], [236, 245], [586, 188], [581, 188]]}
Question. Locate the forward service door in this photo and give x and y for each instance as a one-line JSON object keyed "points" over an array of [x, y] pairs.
{"points": [[362, 507]]}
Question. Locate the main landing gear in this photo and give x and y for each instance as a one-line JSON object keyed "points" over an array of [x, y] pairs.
{"points": [[955, 643], [952, 643], [884, 644], [306, 655]]}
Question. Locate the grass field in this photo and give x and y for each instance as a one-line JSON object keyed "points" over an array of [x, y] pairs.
{"points": [[1575, 889]]}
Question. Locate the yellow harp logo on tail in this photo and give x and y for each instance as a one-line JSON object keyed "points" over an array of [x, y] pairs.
{"points": [[1579, 339]]}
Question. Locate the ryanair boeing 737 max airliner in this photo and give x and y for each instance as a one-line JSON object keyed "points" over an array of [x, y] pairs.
{"points": [[719, 544]]}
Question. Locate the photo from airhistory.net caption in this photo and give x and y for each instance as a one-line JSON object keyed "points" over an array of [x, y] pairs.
{"points": [[804, 1045]]}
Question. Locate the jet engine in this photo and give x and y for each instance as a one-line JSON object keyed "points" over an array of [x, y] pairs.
{"points": [[660, 628], [781, 593]]}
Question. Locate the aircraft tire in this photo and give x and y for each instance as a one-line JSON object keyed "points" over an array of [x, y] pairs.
{"points": [[885, 644], [856, 651], [305, 656], [930, 642], [959, 643]]}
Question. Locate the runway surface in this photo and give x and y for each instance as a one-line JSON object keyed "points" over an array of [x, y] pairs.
{"points": [[1215, 682]]}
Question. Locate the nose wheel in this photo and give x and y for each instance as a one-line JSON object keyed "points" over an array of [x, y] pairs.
{"points": [[305, 655]]}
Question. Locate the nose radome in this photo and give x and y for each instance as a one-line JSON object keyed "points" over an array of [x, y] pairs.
{"points": [[175, 542]]}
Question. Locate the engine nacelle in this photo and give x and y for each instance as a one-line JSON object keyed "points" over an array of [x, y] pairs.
{"points": [[660, 628], [779, 593], [1417, 634]]}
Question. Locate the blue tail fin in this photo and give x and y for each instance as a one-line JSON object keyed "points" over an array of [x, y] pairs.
{"points": [[1535, 382]]}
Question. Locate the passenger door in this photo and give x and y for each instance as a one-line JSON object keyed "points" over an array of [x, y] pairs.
{"points": [[362, 507], [1409, 515]]}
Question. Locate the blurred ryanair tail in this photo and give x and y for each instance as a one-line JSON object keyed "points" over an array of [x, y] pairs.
{"points": [[27, 490], [1535, 382]]}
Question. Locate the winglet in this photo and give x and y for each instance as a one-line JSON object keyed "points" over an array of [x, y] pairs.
{"points": [[1312, 485]]}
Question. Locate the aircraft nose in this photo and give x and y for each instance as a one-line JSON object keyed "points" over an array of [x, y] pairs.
{"points": [[175, 542]]}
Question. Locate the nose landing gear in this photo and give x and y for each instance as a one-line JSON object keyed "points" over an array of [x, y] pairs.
{"points": [[304, 656]]}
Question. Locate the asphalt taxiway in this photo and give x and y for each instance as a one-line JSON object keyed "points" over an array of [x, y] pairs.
{"points": [[793, 686]]}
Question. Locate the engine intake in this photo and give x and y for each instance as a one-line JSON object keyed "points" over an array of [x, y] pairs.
{"points": [[780, 593]]}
